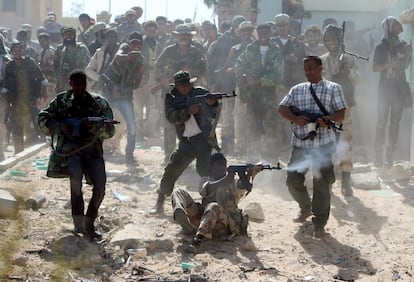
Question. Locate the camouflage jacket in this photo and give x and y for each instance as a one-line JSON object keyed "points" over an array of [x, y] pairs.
{"points": [[67, 59], [293, 71], [176, 111], [228, 197], [63, 108], [23, 83], [343, 72], [250, 63], [124, 73], [172, 60]]}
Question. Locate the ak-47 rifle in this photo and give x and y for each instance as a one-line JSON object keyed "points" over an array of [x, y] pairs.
{"points": [[241, 171], [218, 95], [97, 121], [313, 124], [343, 51]]}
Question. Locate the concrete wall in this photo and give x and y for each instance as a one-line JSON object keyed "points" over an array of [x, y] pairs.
{"points": [[33, 12]]}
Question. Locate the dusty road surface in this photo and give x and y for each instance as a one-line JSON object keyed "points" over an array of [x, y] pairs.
{"points": [[371, 234]]}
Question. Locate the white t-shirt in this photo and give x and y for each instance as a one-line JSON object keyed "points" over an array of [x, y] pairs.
{"points": [[263, 50], [191, 127]]}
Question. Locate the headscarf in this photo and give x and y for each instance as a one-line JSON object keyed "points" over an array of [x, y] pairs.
{"points": [[387, 25]]}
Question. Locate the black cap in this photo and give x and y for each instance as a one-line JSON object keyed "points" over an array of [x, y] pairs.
{"points": [[182, 77], [135, 36]]}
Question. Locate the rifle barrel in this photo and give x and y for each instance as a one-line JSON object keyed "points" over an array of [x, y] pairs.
{"points": [[356, 55]]}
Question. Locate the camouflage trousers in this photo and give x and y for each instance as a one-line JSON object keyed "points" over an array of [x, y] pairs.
{"points": [[343, 153], [213, 220]]}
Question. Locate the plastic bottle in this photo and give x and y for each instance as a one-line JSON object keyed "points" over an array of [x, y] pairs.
{"points": [[14, 172], [187, 265]]}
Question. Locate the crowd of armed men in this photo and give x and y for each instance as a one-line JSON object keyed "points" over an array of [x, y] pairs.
{"points": [[289, 88]]}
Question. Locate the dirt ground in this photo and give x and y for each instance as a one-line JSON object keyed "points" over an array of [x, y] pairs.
{"points": [[371, 234]]}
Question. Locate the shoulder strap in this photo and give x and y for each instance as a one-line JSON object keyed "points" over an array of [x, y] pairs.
{"points": [[318, 102]]}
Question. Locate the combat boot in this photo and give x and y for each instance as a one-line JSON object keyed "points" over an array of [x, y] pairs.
{"points": [[346, 188], [195, 244], [159, 206], [79, 224], [90, 230]]}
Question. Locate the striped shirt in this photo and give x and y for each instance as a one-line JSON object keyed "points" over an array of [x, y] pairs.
{"points": [[332, 98]]}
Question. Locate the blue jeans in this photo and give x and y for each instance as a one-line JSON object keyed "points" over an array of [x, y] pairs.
{"points": [[126, 107], [95, 169]]}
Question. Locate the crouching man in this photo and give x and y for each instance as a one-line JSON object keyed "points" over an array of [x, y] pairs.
{"points": [[218, 214]]}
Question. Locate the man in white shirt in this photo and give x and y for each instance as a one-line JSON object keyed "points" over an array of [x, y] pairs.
{"points": [[195, 120]]}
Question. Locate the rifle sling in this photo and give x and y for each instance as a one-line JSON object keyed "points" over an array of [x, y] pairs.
{"points": [[318, 102], [75, 151]]}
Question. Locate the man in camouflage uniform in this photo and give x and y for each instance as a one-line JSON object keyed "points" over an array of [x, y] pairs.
{"points": [[245, 31], [293, 51], [47, 57], [82, 146], [70, 55], [259, 71], [144, 98], [179, 56], [218, 214], [223, 81], [341, 68], [24, 86], [194, 119], [122, 76]]}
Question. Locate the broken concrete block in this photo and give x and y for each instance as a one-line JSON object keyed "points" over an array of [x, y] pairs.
{"points": [[8, 205]]}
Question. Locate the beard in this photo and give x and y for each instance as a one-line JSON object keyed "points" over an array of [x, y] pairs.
{"points": [[67, 42]]}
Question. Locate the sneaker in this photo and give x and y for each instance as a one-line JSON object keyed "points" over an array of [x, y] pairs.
{"points": [[181, 218], [302, 216], [94, 234]]}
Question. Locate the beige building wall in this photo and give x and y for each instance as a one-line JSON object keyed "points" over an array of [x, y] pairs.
{"points": [[14, 13]]}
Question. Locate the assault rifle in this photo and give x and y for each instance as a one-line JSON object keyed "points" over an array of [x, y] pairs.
{"points": [[218, 95], [241, 171], [97, 121], [198, 99], [343, 46], [313, 123]]}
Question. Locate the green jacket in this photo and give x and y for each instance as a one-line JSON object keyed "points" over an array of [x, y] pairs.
{"points": [[172, 60], [250, 63], [64, 107], [68, 59]]}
